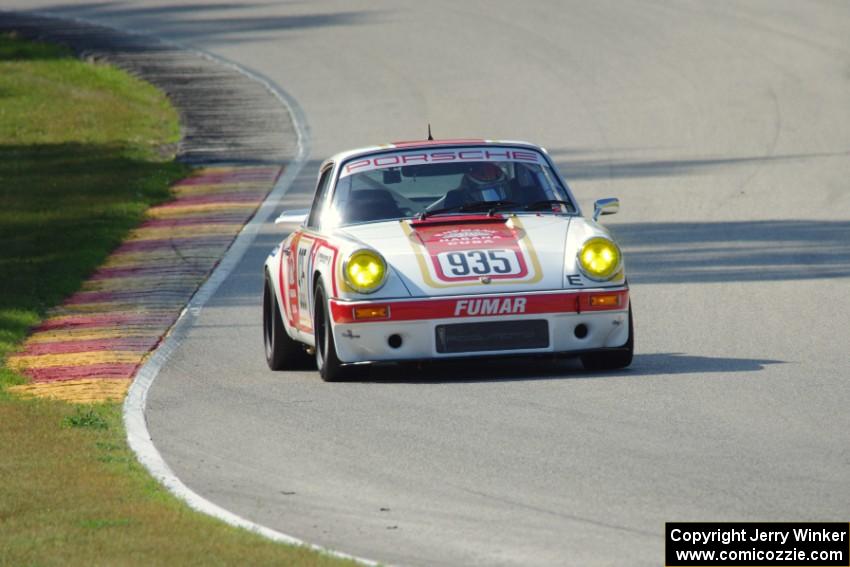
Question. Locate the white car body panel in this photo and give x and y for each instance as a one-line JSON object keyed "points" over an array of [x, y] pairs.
{"points": [[539, 251], [368, 341], [542, 249]]}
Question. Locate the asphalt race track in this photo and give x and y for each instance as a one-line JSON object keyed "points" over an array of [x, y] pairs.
{"points": [[723, 127]]}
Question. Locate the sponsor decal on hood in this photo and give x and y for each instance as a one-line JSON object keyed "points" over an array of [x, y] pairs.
{"points": [[479, 251]]}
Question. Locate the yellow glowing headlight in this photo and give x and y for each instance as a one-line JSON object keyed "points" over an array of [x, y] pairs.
{"points": [[365, 271], [600, 259]]}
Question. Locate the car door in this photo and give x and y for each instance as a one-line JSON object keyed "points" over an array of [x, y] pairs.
{"points": [[303, 252]]}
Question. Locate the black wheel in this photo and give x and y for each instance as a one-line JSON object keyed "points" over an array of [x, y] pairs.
{"points": [[614, 358], [282, 351], [329, 366]]}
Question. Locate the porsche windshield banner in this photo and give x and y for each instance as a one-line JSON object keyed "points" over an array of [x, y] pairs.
{"points": [[423, 157]]}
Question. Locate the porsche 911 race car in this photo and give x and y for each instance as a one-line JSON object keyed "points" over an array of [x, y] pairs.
{"points": [[443, 249]]}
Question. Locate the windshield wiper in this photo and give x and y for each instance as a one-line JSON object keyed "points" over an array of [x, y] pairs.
{"points": [[426, 213], [548, 202], [490, 206]]}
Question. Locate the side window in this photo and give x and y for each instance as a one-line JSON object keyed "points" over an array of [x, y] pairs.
{"points": [[319, 199]]}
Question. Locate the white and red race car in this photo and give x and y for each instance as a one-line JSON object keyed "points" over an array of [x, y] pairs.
{"points": [[443, 249]]}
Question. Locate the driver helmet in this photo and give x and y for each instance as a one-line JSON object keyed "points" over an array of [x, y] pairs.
{"points": [[486, 181]]}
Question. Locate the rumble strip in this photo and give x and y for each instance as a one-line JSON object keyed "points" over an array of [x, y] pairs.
{"points": [[91, 346]]}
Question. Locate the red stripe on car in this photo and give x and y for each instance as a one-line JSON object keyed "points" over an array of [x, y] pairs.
{"points": [[482, 306]]}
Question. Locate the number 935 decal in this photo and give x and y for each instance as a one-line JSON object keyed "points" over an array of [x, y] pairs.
{"points": [[473, 253], [466, 263]]}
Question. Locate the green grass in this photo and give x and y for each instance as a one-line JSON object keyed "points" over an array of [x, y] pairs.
{"points": [[83, 153], [86, 417], [75, 495]]}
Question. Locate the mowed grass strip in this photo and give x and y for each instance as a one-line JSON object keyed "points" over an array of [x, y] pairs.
{"points": [[73, 494], [84, 150]]}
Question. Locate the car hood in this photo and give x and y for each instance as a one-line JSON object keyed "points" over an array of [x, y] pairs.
{"points": [[453, 255]]}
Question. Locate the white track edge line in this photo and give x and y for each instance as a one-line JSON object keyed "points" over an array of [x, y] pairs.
{"points": [[138, 436]]}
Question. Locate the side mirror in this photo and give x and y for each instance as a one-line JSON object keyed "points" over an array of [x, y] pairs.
{"points": [[607, 206], [295, 217]]}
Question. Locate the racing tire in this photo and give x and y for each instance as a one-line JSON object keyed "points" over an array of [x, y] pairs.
{"points": [[282, 351], [615, 358], [329, 366]]}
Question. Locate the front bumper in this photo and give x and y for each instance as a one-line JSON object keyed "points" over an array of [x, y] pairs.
{"points": [[578, 321]]}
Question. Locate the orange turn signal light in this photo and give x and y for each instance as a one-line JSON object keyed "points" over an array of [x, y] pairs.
{"points": [[372, 312], [604, 300]]}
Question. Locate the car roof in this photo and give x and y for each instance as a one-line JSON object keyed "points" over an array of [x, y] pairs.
{"points": [[417, 144]]}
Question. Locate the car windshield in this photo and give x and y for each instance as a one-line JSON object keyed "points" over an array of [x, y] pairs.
{"points": [[446, 182]]}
